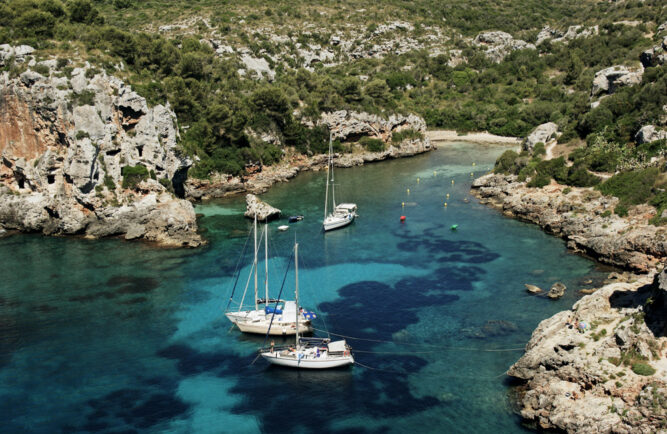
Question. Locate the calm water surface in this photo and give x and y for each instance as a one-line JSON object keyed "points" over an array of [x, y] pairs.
{"points": [[113, 336]]}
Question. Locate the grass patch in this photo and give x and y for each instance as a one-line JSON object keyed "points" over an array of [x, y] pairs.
{"points": [[133, 175]]}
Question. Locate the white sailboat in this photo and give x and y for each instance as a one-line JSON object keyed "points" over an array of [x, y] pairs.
{"points": [[343, 214], [308, 353], [284, 314]]}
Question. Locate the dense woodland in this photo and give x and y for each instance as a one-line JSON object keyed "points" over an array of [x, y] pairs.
{"points": [[218, 109]]}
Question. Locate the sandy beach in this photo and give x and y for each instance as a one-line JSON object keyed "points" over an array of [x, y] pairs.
{"points": [[479, 137]]}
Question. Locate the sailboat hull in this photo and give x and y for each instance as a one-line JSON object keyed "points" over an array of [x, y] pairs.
{"points": [[335, 222], [292, 361], [257, 322], [288, 329]]}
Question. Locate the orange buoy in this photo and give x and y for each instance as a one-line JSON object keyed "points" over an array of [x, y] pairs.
{"points": [[402, 218]]}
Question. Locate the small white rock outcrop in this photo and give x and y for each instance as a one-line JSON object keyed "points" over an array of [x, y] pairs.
{"points": [[541, 134], [262, 210]]}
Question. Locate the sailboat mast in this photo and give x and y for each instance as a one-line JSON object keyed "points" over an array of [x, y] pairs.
{"points": [[266, 262], [255, 262], [326, 192], [333, 182], [296, 292]]}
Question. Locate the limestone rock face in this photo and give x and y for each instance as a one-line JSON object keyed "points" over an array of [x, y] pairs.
{"points": [[256, 207], [577, 217], [345, 126], [574, 381], [572, 32], [648, 134], [607, 80], [64, 143], [500, 44], [541, 134]]}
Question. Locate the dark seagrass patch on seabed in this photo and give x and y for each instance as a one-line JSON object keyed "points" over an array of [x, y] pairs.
{"points": [[133, 409], [132, 284]]}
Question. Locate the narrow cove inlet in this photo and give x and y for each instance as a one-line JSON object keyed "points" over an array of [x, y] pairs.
{"points": [[113, 336]]}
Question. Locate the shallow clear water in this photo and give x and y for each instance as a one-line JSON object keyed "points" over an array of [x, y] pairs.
{"points": [[115, 336]]}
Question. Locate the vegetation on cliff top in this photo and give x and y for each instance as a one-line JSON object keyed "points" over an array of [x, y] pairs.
{"points": [[223, 114]]}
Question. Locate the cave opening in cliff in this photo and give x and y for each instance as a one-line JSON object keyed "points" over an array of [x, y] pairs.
{"points": [[21, 182], [140, 149], [178, 182], [50, 179]]}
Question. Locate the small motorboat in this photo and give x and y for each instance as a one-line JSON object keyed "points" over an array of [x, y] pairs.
{"points": [[295, 218], [283, 228]]}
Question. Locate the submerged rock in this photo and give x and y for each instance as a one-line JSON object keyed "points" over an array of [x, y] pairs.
{"points": [[256, 207], [532, 288], [557, 291]]}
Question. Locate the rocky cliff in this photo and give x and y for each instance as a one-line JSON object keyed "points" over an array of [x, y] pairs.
{"points": [[583, 217], [84, 154], [608, 373], [346, 126]]}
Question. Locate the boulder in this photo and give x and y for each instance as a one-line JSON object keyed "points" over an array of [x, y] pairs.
{"points": [[557, 291], [532, 288], [541, 134], [648, 134], [607, 80], [500, 44], [257, 208]]}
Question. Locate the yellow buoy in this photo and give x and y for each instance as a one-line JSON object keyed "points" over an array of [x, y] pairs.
{"points": [[452, 181], [473, 163], [445, 204], [434, 173], [417, 180], [402, 204], [447, 195], [408, 190], [472, 174]]}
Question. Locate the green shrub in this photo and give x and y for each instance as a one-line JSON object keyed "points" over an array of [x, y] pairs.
{"points": [[539, 150], [506, 163], [606, 213], [80, 135], [85, 97], [539, 180], [133, 175], [578, 176], [633, 187], [41, 69], [373, 145], [621, 210], [108, 183], [408, 134], [643, 369], [567, 190]]}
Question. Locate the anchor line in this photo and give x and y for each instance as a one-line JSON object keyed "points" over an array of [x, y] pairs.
{"points": [[441, 348]]}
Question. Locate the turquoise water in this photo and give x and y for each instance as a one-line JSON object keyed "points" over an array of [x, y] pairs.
{"points": [[113, 336]]}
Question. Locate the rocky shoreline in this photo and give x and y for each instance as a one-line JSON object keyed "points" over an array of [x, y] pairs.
{"points": [[600, 367], [583, 217], [610, 375], [344, 126]]}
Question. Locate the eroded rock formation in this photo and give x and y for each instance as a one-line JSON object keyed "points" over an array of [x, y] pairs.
{"points": [[601, 366], [583, 217], [83, 154]]}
